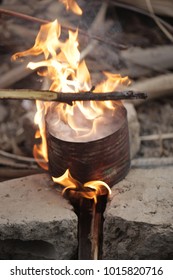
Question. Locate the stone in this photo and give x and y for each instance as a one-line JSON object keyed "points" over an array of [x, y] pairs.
{"points": [[139, 217], [134, 129], [36, 222]]}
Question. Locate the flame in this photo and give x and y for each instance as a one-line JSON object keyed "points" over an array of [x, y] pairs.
{"points": [[73, 6], [90, 190], [62, 67]]}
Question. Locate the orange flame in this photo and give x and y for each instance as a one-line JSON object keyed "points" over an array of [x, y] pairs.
{"points": [[84, 121], [73, 6], [89, 190]]}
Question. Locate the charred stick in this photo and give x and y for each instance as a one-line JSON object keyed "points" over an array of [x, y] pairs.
{"points": [[90, 227], [68, 97], [86, 211]]}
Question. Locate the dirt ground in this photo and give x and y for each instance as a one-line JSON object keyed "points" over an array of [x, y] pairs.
{"points": [[127, 27]]}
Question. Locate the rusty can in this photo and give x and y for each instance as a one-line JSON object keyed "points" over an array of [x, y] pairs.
{"points": [[106, 159]]}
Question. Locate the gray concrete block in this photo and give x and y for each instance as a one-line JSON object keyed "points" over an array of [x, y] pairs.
{"points": [[139, 217], [33, 212]]}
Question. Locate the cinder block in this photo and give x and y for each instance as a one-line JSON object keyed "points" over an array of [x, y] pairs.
{"points": [[139, 217], [36, 222]]}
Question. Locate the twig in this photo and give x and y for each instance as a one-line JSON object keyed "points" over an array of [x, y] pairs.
{"points": [[13, 163], [68, 97], [156, 137], [17, 157], [11, 173], [22, 16], [43, 21], [151, 162]]}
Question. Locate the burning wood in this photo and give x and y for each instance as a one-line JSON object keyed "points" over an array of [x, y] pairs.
{"points": [[89, 201]]}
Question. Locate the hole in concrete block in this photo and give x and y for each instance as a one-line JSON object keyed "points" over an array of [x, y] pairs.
{"points": [[15, 249]]}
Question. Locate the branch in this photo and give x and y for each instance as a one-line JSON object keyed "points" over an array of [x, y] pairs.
{"points": [[68, 97], [65, 27]]}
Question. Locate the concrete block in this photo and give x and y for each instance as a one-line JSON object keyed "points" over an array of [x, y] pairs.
{"points": [[36, 222], [139, 217]]}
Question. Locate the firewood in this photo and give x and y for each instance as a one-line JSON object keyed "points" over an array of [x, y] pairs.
{"points": [[154, 137], [7, 173], [17, 157], [12, 163]]}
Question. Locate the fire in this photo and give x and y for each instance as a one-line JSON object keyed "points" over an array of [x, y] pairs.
{"points": [[62, 67], [73, 6], [89, 190]]}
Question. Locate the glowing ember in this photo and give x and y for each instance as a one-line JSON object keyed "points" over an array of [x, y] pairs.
{"points": [[73, 6], [84, 121]]}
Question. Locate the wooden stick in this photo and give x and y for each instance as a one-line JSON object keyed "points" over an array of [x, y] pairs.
{"points": [[43, 21], [11, 163], [68, 97], [97, 227], [90, 227], [11, 173], [85, 211], [22, 16], [154, 137], [18, 158]]}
